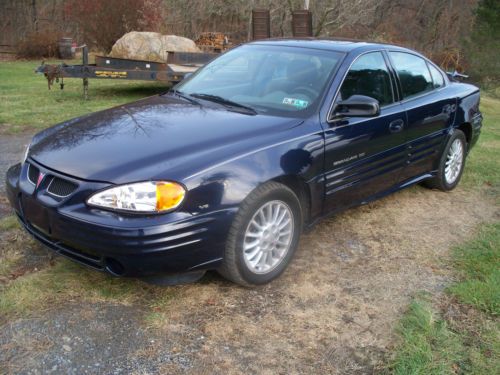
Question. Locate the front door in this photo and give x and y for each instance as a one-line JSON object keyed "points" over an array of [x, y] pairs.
{"points": [[364, 156]]}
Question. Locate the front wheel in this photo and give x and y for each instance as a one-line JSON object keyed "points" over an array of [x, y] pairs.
{"points": [[264, 236], [451, 164]]}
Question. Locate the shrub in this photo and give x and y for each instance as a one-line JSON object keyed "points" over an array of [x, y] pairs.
{"points": [[103, 22], [39, 45]]}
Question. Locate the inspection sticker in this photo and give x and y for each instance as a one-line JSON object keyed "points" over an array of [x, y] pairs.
{"points": [[298, 103]]}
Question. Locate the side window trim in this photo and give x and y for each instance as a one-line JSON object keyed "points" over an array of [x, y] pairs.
{"points": [[402, 99], [431, 64], [397, 93], [329, 119]]}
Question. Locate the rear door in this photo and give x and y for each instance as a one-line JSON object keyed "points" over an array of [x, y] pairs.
{"points": [[430, 111], [364, 156]]}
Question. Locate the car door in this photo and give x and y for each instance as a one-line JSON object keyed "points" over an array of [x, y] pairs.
{"points": [[364, 156], [430, 111]]}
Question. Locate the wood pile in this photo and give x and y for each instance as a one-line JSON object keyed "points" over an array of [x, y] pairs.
{"points": [[212, 42]]}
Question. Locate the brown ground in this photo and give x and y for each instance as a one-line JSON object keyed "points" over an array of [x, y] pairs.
{"points": [[332, 312]]}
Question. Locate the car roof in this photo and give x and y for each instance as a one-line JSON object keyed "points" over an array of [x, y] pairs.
{"points": [[334, 44]]}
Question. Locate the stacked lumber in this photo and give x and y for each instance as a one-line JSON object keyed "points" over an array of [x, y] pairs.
{"points": [[212, 41]]}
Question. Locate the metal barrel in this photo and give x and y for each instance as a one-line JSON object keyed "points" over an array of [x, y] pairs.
{"points": [[302, 23], [261, 24], [65, 51]]}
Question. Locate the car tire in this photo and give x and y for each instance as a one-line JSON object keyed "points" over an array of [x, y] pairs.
{"points": [[257, 221], [451, 163]]}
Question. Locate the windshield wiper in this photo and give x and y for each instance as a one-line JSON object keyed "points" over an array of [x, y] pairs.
{"points": [[180, 94], [224, 101]]}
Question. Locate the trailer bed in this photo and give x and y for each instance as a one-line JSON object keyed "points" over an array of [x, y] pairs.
{"points": [[178, 64]]}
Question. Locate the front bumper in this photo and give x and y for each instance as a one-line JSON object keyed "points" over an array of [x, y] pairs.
{"points": [[123, 245]]}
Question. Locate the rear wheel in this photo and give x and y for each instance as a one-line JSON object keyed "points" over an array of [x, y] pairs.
{"points": [[451, 164], [264, 236]]}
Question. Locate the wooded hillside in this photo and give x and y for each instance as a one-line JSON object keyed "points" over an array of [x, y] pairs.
{"points": [[446, 30]]}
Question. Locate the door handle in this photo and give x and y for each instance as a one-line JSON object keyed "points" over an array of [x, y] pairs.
{"points": [[396, 126]]}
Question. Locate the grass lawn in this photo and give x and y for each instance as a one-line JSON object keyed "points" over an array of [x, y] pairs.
{"points": [[462, 333], [25, 101]]}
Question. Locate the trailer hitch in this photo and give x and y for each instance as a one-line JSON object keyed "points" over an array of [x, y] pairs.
{"points": [[52, 73], [56, 72]]}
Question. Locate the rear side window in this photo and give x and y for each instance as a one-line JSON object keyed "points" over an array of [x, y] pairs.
{"points": [[368, 76], [437, 77], [413, 74]]}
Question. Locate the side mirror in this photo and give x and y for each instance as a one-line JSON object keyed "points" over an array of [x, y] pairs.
{"points": [[358, 106], [187, 75]]}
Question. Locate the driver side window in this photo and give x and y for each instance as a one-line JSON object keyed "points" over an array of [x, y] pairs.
{"points": [[368, 76]]}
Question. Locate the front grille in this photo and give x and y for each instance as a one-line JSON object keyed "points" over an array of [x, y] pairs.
{"points": [[33, 173], [61, 187]]}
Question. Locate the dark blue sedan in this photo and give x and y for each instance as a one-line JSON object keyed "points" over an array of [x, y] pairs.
{"points": [[226, 170]]}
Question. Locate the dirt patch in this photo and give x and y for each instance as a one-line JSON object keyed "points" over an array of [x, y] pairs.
{"points": [[333, 311]]}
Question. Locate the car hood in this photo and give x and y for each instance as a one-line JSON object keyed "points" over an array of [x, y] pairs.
{"points": [[158, 137]]}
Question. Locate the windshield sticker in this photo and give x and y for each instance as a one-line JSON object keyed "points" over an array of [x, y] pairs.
{"points": [[297, 103]]}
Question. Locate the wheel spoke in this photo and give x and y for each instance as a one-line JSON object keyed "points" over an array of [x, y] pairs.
{"points": [[262, 216], [269, 215], [251, 245], [252, 254], [276, 214], [256, 259], [262, 260], [281, 234], [256, 224], [252, 234], [281, 217], [282, 242], [284, 224]]}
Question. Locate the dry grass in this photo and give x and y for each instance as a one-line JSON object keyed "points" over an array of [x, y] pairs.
{"points": [[19, 253], [334, 309]]}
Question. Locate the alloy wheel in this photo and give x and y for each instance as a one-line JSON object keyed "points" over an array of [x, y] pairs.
{"points": [[268, 237]]}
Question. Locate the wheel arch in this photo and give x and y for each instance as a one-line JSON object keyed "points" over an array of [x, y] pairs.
{"points": [[466, 128], [301, 190]]}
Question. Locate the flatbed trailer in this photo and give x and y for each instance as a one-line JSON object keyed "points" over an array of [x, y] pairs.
{"points": [[178, 64]]}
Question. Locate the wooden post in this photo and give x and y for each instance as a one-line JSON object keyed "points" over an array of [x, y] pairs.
{"points": [[85, 61]]}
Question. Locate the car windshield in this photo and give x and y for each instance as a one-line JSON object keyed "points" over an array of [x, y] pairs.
{"points": [[277, 80]]}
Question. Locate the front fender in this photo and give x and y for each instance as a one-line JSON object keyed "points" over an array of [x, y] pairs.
{"points": [[227, 184]]}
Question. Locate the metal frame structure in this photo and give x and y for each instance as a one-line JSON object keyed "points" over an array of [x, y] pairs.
{"points": [[178, 64]]}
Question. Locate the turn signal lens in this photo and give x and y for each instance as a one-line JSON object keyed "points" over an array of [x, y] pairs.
{"points": [[168, 195], [150, 196]]}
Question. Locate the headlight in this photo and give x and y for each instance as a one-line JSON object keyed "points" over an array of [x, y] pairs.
{"points": [[25, 156], [150, 196]]}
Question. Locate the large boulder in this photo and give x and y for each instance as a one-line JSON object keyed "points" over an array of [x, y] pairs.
{"points": [[139, 45]]}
